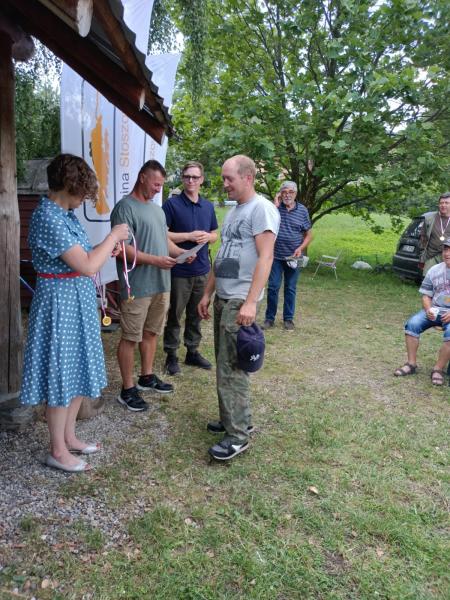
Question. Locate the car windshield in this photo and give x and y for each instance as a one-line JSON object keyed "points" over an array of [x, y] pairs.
{"points": [[413, 230]]}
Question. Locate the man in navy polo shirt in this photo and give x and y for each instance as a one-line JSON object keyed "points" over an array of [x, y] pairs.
{"points": [[293, 237], [191, 220]]}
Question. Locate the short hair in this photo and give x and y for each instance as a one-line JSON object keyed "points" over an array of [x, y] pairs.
{"points": [[444, 196], [193, 163], [152, 165], [73, 174], [289, 185], [245, 165]]}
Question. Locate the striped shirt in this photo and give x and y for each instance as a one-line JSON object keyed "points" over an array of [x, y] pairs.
{"points": [[293, 226]]}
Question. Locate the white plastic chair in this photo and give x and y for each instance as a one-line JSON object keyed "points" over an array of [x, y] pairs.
{"points": [[327, 261]]}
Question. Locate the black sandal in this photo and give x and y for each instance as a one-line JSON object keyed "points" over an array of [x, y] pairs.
{"points": [[400, 372], [437, 377]]}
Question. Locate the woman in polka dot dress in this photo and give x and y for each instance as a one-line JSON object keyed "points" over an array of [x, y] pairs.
{"points": [[64, 355]]}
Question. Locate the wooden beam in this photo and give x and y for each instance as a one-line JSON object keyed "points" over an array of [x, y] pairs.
{"points": [[73, 49], [77, 14], [10, 319], [23, 45], [118, 86]]}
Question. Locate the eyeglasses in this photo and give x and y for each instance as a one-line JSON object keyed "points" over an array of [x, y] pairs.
{"points": [[288, 192], [192, 177]]}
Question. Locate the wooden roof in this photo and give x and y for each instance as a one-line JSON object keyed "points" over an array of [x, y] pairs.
{"points": [[91, 37]]}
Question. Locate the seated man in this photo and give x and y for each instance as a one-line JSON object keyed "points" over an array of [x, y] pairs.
{"points": [[435, 290]]}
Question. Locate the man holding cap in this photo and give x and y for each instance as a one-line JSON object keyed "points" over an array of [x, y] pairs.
{"points": [[240, 272], [292, 240], [435, 290]]}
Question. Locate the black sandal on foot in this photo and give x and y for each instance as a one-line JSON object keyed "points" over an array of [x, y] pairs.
{"points": [[437, 377], [402, 372]]}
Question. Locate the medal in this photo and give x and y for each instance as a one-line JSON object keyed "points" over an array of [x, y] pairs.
{"points": [[101, 293], [443, 229]]}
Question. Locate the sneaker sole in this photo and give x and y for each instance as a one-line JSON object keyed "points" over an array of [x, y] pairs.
{"points": [[123, 403], [251, 429], [241, 449], [150, 389]]}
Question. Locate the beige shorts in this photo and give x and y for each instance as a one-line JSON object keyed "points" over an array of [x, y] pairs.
{"points": [[144, 314]]}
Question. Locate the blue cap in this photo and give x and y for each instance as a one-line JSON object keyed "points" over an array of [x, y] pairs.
{"points": [[250, 348]]}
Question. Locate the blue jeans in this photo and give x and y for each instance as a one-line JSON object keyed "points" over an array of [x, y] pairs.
{"points": [[280, 267], [419, 323]]}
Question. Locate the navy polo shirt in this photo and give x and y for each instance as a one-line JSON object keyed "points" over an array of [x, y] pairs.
{"points": [[183, 215], [293, 226]]}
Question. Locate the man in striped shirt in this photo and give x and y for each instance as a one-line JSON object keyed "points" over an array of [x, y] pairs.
{"points": [[293, 238]]}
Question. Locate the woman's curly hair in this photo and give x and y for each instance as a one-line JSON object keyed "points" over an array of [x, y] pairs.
{"points": [[73, 174]]}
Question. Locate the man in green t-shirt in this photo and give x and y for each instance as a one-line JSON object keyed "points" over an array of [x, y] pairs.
{"points": [[146, 295]]}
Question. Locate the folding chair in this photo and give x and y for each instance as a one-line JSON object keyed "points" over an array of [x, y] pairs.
{"points": [[327, 261]]}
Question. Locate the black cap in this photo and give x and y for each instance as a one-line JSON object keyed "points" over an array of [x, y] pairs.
{"points": [[250, 348]]}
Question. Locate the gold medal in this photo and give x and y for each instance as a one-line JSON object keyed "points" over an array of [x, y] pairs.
{"points": [[106, 321], [130, 298]]}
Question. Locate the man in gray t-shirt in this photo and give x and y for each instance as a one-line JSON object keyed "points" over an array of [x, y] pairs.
{"points": [[435, 291], [240, 273], [146, 294]]}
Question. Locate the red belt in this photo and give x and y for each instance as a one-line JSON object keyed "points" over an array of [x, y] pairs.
{"points": [[59, 275]]}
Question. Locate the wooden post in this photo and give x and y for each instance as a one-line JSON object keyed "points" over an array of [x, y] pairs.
{"points": [[10, 317]]}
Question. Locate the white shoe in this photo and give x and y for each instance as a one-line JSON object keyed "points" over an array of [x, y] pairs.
{"points": [[50, 461], [90, 449]]}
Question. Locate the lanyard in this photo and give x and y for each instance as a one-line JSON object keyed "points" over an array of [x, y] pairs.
{"points": [[127, 270]]}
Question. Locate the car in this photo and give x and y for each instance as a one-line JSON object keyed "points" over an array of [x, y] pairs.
{"points": [[406, 261]]}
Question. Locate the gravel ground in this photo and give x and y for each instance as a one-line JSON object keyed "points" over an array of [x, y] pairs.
{"points": [[28, 488]]}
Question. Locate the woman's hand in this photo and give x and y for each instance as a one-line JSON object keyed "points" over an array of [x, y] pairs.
{"points": [[120, 232]]}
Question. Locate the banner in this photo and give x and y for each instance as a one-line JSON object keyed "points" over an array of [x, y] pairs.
{"points": [[107, 139]]}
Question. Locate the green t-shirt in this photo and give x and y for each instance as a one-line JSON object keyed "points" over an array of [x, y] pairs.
{"points": [[148, 224]]}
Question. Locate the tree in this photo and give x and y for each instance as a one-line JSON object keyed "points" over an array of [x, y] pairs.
{"points": [[348, 98], [37, 107]]}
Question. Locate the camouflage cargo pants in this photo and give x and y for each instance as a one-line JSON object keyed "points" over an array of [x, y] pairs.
{"points": [[232, 383]]}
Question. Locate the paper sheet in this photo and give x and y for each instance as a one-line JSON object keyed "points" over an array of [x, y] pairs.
{"points": [[183, 257]]}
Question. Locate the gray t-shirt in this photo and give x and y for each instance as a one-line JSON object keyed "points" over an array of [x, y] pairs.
{"points": [[236, 260], [436, 285], [148, 224]]}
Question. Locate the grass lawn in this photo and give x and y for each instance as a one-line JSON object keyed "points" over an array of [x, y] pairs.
{"points": [[342, 495]]}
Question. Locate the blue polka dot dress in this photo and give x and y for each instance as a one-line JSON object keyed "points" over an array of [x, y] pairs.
{"points": [[63, 354]]}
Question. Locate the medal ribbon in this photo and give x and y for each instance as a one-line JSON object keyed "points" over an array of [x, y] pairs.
{"points": [[106, 320], [127, 270]]}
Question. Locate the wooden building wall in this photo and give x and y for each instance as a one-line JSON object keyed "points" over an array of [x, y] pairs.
{"points": [[27, 203]]}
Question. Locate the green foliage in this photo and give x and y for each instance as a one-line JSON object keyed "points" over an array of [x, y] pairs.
{"points": [[162, 37], [347, 98], [37, 107], [190, 18]]}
